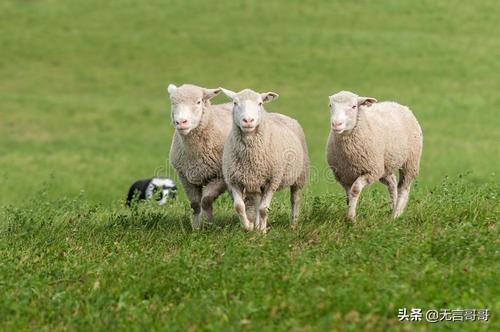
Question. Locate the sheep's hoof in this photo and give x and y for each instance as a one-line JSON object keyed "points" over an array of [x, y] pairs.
{"points": [[208, 215], [350, 216], [195, 223], [262, 230], [249, 227]]}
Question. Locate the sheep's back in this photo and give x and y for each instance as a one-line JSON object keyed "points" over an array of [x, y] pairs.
{"points": [[399, 129], [290, 148], [295, 128]]}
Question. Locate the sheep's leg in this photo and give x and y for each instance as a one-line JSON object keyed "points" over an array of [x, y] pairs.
{"points": [[239, 206], [210, 193], [193, 193], [392, 184], [403, 193], [295, 202], [355, 192], [256, 199], [347, 190], [265, 202], [250, 208]]}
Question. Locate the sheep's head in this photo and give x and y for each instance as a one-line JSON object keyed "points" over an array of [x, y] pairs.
{"points": [[344, 108], [188, 103], [248, 106]]}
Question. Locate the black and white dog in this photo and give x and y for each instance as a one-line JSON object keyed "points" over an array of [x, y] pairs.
{"points": [[158, 188]]}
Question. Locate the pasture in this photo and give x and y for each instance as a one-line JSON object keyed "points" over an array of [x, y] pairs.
{"points": [[84, 112]]}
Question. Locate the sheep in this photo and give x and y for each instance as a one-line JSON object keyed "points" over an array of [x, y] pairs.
{"points": [[196, 152], [368, 142], [265, 152]]}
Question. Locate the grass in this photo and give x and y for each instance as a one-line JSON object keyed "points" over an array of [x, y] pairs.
{"points": [[84, 266], [84, 112]]}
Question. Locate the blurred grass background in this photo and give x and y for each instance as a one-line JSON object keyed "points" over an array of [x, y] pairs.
{"points": [[83, 106], [83, 84]]}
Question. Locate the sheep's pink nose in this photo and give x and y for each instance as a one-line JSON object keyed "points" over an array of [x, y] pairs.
{"points": [[182, 122], [337, 124], [248, 120]]}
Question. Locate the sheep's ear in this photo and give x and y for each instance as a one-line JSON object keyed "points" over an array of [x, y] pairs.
{"points": [[210, 93], [366, 101], [171, 88], [269, 96], [230, 94]]}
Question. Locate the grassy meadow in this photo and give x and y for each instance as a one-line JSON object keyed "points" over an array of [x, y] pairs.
{"points": [[84, 112]]}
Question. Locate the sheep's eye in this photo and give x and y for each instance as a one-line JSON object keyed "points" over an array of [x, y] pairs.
{"points": [[330, 105], [235, 103], [353, 107], [260, 104], [198, 102]]}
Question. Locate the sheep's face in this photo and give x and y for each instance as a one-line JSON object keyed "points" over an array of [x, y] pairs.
{"points": [[188, 104], [344, 108], [248, 106]]}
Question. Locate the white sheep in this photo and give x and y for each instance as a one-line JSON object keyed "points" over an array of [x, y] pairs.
{"points": [[369, 142], [197, 145], [265, 152]]}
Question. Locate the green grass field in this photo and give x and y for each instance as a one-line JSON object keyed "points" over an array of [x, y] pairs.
{"points": [[84, 112]]}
